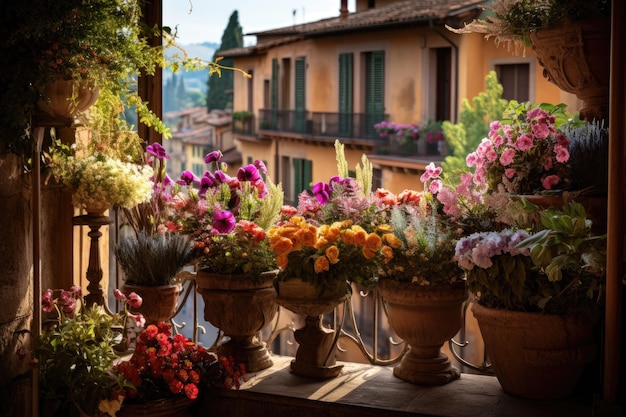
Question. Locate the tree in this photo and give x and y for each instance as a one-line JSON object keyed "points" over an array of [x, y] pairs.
{"points": [[473, 124], [220, 87]]}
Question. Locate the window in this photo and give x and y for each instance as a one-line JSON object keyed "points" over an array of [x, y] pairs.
{"points": [[285, 179], [374, 90], [345, 94], [302, 175], [515, 81]]}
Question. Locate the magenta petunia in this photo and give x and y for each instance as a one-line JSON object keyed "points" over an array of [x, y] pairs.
{"points": [[188, 178], [224, 221], [215, 156], [322, 192], [157, 150], [248, 173]]}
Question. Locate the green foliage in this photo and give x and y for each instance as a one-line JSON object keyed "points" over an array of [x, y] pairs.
{"points": [[153, 260], [218, 96], [473, 125], [75, 357]]}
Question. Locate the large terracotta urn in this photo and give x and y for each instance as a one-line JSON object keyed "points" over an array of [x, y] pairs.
{"points": [[240, 307], [64, 99], [425, 317], [575, 58], [536, 355], [316, 354], [159, 303]]}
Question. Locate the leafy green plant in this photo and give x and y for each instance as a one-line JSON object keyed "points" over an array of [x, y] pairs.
{"points": [[75, 355]]}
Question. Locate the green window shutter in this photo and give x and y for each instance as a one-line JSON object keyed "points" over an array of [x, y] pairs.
{"points": [[307, 173], [345, 94], [374, 89], [297, 177], [300, 89], [274, 94]]}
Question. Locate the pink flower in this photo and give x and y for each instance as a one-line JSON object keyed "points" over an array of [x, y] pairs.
{"points": [[549, 181], [119, 295], [430, 172], [134, 300], [562, 154], [507, 157], [470, 159], [509, 173], [524, 142], [435, 186]]}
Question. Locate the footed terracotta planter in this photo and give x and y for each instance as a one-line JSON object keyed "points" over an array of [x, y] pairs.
{"points": [[317, 345], [535, 355], [65, 99], [240, 308], [159, 303], [425, 318], [576, 59]]}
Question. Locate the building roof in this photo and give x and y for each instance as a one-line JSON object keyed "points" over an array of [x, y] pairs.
{"points": [[407, 12]]}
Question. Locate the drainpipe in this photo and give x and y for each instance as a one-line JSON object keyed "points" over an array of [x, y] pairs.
{"points": [[455, 93]]}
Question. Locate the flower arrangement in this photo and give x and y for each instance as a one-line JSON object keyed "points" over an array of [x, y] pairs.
{"points": [[165, 365], [432, 132], [335, 234], [402, 132], [556, 270], [76, 351], [423, 243], [526, 151], [98, 178], [227, 217]]}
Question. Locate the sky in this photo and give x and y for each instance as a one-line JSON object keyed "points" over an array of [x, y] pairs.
{"points": [[201, 21]]}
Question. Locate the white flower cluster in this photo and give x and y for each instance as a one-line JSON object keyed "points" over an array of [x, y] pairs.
{"points": [[479, 248], [101, 180]]}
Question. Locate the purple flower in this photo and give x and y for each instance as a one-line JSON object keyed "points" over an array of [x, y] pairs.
{"points": [[260, 166], [157, 150], [224, 221], [220, 177], [248, 173], [322, 191], [208, 180], [187, 178], [215, 156]]}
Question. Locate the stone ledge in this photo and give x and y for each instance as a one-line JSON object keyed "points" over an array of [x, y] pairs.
{"points": [[366, 390]]}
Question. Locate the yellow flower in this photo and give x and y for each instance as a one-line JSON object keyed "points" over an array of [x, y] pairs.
{"points": [[332, 253], [373, 242], [281, 245], [392, 240], [321, 264], [307, 236], [387, 253], [360, 235]]}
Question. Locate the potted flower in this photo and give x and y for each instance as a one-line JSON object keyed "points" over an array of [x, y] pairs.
{"points": [[536, 299], [227, 217], [149, 254], [564, 34], [422, 287], [99, 180], [331, 240], [167, 373], [75, 353]]}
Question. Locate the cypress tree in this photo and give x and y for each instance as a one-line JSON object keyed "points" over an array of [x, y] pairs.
{"points": [[220, 87]]}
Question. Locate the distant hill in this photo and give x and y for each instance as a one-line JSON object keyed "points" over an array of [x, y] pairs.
{"points": [[193, 80]]}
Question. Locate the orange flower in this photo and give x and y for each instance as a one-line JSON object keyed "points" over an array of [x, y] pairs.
{"points": [[332, 253], [392, 240], [387, 253], [281, 261], [281, 245], [321, 264], [373, 242], [360, 235]]}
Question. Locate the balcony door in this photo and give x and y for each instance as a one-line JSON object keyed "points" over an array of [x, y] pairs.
{"points": [[374, 90]]}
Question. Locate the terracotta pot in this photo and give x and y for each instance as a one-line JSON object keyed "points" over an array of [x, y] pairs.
{"points": [[535, 355], [315, 356], [159, 303], [240, 308], [65, 99], [424, 317], [167, 407], [576, 59]]}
